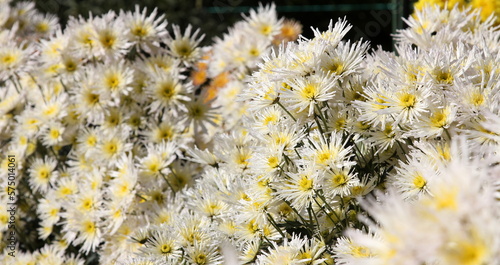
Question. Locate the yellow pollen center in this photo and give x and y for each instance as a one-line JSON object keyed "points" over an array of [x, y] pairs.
{"points": [[139, 31], [165, 249], [272, 161], [408, 100], [54, 133], [438, 119], [419, 182], [7, 59], [305, 184], [266, 29], [339, 179], [309, 92]]}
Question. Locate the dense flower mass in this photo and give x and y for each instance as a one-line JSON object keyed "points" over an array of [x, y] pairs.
{"points": [[133, 144]]}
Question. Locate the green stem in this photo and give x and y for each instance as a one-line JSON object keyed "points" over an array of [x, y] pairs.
{"points": [[273, 223], [168, 183], [283, 107]]}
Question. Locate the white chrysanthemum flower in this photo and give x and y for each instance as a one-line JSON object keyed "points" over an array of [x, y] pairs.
{"points": [[42, 173], [91, 102], [344, 59], [283, 137], [48, 210], [82, 37], [52, 134], [5, 10], [265, 20], [167, 131], [184, 46], [168, 92], [9, 98], [45, 24], [288, 253], [72, 64], [269, 116], [146, 31], [87, 140], [325, 152], [458, 216], [386, 137], [204, 157], [65, 188], [14, 59], [162, 246], [374, 102], [339, 182], [267, 161], [115, 78], [204, 254], [357, 253], [200, 115], [155, 164], [51, 49], [89, 234], [53, 109], [299, 189], [308, 93], [122, 186], [333, 35], [113, 144], [406, 106], [412, 178], [159, 63], [437, 121], [109, 37]]}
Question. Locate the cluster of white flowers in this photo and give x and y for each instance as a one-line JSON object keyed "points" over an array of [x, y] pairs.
{"points": [[99, 117], [138, 146]]}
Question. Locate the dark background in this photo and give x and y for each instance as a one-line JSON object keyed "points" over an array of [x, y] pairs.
{"points": [[372, 20]]}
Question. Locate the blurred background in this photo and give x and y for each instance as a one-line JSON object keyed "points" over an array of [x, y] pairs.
{"points": [[372, 20]]}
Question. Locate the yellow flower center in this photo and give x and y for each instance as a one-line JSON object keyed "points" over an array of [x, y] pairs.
{"points": [[92, 140], [419, 182], [113, 81], [70, 66], [139, 31], [360, 252], [7, 59], [339, 179], [66, 191], [477, 99], [270, 118], [444, 77], [438, 119], [272, 162], [254, 52], [42, 27], [324, 156], [87, 204], [92, 98], [167, 91], [54, 133], [266, 29], [44, 173], [407, 100], [107, 40], [89, 227], [201, 259], [336, 67], [166, 249], [309, 92], [110, 148], [305, 184]]}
